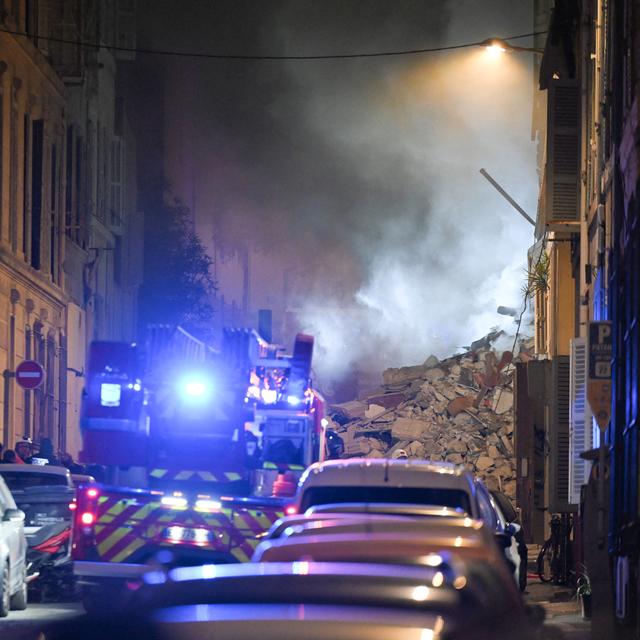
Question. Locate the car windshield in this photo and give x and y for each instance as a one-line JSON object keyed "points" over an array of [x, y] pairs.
{"points": [[454, 498], [18, 481]]}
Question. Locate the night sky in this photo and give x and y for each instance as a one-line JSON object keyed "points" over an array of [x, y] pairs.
{"points": [[361, 173]]}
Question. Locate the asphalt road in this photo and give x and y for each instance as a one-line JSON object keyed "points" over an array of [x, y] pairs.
{"points": [[28, 624]]}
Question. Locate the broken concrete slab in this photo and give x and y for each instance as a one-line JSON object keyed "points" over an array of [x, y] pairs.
{"points": [[373, 411], [431, 361], [408, 428], [483, 463], [433, 375], [395, 376], [458, 405], [352, 409]]}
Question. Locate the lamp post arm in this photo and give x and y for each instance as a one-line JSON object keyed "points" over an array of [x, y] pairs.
{"points": [[508, 198]]}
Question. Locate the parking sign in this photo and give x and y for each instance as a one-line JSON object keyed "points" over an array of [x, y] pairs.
{"points": [[599, 384]]}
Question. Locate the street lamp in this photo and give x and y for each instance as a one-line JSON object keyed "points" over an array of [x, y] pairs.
{"points": [[498, 45]]}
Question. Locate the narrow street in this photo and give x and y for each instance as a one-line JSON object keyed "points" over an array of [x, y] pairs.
{"points": [[27, 624], [321, 318]]}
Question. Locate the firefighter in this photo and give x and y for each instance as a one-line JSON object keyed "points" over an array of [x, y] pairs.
{"points": [[24, 449], [46, 452], [9, 456]]}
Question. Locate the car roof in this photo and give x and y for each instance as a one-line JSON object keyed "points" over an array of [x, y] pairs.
{"points": [[82, 478], [35, 468], [396, 547], [382, 524], [318, 515], [373, 471], [343, 583], [387, 508]]}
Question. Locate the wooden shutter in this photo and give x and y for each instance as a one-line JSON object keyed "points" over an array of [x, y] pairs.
{"points": [[562, 171], [580, 434], [558, 437]]}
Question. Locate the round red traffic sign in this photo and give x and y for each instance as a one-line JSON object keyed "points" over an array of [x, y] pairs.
{"points": [[29, 374]]}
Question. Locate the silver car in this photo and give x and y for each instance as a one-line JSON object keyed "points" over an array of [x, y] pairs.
{"points": [[13, 552]]}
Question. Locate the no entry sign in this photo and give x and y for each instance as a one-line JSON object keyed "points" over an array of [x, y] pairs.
{"points": [[29, 374]]}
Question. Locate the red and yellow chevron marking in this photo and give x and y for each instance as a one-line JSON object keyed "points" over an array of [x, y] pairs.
{"points": [[173, 474], [125, 525]]}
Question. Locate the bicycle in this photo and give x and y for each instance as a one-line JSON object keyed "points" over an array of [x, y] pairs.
{"points": [[554, 560]]}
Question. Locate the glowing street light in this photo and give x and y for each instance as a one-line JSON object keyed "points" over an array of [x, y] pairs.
{"points": [[496, 46]]}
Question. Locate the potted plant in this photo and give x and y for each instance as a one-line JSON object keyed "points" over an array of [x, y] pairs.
{"points": [[583, 592]]}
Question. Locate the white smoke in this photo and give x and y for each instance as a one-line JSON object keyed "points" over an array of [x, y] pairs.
{"points": [[441, 249]]}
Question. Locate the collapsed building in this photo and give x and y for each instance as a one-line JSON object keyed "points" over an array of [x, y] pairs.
{"points": [[459, 409]]}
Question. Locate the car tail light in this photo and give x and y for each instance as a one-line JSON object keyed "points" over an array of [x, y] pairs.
{"points": [[87, 518], [290, 510], [86, 515]]}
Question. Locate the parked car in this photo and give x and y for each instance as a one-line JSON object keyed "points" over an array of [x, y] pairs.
{"points": [[349, 509], [513, 523], [387, 540], [13, 550], [410, 482], [46, 495], [82, 478], [283, 601]]}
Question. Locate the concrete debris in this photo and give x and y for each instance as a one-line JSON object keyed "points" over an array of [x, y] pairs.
{"points": [[503, 402], [458, 409], [408, 429], [374, 410], [431, 361]]}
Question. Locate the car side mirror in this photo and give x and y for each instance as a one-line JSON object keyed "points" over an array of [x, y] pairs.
{"points": [[13, 515], [512, 529]]}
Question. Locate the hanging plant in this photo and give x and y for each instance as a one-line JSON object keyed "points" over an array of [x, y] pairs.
{"points": [[537, 276]]}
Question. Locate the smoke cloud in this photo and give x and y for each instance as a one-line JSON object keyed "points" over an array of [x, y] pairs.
{"points": [[362, 176]]}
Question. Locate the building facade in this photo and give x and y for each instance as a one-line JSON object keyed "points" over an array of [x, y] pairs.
{"points": [[587, 260], [69, 254]]}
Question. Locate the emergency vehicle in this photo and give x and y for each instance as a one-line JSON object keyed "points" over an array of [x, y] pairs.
{"points": [[195, 452]]}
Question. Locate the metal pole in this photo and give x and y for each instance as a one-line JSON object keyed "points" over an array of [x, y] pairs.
{"points": [[6, 409], [508, 198], [600, 493]]}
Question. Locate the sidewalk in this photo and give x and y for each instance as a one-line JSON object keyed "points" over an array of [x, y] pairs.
{"points": [[564, 615]]}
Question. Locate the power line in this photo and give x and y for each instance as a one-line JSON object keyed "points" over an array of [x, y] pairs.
{"points": [[232, 56]]}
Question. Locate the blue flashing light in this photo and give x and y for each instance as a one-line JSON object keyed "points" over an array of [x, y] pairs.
{"points": [[294, 401], [269, 396], [195, 388]]}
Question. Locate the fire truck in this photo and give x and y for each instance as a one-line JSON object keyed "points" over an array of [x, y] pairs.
{"points": [[195, 451]]}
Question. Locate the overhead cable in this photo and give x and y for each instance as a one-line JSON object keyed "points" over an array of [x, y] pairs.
{"points": [[234, 56]]}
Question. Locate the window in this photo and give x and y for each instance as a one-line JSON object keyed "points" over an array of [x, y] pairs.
{"points": [[53, 231], [117, 181], [19, 481], [25, 191], [454, 498], [80, 204], [69, 209], [13, 185], [37, 144]]}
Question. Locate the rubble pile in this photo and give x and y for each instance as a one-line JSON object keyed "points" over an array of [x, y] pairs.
{"points": [[458, 409]]}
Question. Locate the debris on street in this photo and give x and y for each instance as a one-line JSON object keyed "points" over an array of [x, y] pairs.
{"points": [[459, 409]]}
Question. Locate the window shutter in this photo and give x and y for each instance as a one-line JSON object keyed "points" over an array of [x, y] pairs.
{"points": [[558, 437], [562, 171], [580, 431]]}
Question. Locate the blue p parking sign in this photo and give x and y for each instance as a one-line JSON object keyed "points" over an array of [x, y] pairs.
{"points": [[599, 384]]}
